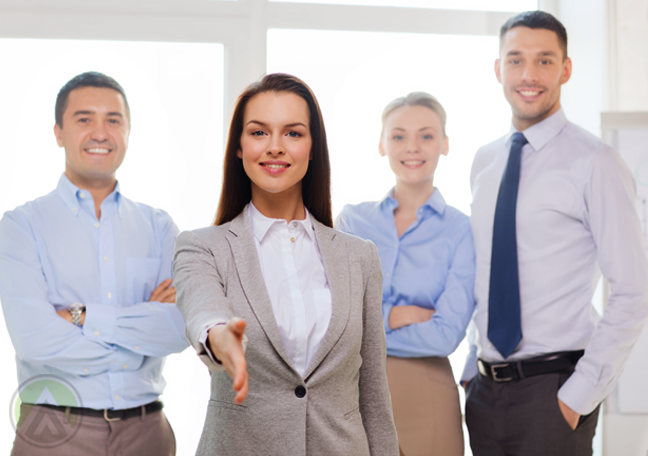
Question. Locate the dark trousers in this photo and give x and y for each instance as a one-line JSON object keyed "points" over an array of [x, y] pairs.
{"points": [[522, 418], [47, 432]]}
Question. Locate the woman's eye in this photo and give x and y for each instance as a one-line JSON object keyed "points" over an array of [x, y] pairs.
{"points": [[428, 137], [294, 134], [397, 137], [257, 133]]}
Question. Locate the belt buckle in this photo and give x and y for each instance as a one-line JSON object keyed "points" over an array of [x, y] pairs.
{"points": [[494, 373], [110, 419]]}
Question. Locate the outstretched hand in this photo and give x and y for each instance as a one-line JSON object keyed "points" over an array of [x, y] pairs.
{"points": [[226, 344]]}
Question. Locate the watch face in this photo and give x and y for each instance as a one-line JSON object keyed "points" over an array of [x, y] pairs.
{"points": [[76, 306]]}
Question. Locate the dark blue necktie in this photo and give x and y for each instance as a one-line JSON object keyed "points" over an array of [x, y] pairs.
{"points": [[504, 327]]}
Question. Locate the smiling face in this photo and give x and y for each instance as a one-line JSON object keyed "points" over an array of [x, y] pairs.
{"points": [[531, 68], [94, 133], [413, 140], [276, 142]]}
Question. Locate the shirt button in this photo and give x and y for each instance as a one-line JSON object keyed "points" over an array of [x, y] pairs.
{"points": [[85, 370], [125, 366], [388, 274], [106, 259], [109, 295], [74, 208], [81, 195], [295, 224], [292, 239], [395, 245], [116, 397], [97, 333], [136, 347], [96, 224], [300, 391]]}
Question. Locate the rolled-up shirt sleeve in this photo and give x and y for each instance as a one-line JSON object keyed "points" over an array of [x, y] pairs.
{"points": [[39, 335]]}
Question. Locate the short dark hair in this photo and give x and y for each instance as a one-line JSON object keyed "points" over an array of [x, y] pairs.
{"points": [[236, 191], [88, 79], [537, 20]]}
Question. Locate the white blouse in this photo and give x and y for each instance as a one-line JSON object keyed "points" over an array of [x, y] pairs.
{"points": [[294, 276], [295, 279]]}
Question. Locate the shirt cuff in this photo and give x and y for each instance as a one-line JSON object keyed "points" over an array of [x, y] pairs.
{"points": [[100, 322], [126, 360], [204, 348], [206, 354], [579, 395]]}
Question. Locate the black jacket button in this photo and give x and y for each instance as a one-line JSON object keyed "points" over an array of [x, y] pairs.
{"points": [[300, 391]]}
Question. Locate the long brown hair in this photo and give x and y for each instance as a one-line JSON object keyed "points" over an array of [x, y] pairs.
{"points": [[316, 184]]}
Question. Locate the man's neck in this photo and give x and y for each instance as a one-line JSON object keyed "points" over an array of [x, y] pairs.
{"points": [[521, 124]]}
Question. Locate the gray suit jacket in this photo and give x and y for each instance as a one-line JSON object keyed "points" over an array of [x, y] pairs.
{"points": [[347, 407]]}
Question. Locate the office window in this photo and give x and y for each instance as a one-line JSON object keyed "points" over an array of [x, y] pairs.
{"points": [[355, 74], [480, 5]]}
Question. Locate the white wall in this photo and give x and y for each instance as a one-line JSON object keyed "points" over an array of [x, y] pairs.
{"points": [[627, 24]]}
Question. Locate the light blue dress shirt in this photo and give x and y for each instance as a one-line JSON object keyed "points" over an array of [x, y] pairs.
{"points": [[431, 265], [54, 252]]}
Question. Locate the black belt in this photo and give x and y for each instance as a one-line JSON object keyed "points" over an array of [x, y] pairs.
{"points": [[108, 415], [545, 364]]}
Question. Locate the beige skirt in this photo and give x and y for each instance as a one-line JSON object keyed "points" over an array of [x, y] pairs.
{"points": [[426, 406]]}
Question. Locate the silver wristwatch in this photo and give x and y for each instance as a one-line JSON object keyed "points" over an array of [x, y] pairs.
{"points": [[76, 309]]}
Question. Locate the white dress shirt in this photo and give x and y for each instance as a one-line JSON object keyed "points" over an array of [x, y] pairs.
{"points": [[575, 210], [295, 279]]}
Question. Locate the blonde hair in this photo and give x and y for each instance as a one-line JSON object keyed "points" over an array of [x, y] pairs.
{"points": [[415, 99]]}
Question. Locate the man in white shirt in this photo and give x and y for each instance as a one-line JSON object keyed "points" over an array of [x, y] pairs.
{"points": [[551, 205]]}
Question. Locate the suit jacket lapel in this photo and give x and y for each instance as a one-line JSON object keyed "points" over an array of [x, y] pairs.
{"points": [[336, 266], [246, 259]]}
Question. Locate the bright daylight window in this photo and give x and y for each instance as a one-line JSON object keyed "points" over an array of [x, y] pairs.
{"points": [[174, 160], [480, 5], [355, 74]]}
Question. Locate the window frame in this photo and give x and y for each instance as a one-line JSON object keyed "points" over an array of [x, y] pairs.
{"points": [[241, 25]]}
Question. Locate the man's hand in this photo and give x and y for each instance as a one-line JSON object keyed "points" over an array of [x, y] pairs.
{"points": [[226, 344], [408, 315], [67, 316], [570, 416], [164, 292]]}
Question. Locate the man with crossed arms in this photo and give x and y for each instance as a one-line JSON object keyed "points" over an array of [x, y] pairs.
{"points": [[550, 201], [86, 291]]}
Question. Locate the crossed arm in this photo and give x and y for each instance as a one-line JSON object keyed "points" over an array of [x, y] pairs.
{"points": [[112, 338]]}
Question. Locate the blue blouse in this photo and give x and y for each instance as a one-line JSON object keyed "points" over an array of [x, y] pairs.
{"points": [[431, 265]]}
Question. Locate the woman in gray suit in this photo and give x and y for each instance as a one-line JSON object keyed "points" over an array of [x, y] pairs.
{"points": [[284, 310]]}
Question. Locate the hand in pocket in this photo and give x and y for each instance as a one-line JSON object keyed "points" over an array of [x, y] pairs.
{"points": [[570, 416]]}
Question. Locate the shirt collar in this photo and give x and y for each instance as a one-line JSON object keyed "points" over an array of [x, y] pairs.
{"points": [[541, 133], [436, 202], [261, 224], [71, 194]]}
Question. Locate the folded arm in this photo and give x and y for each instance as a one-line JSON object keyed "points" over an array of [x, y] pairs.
{"points": [[441, 334], [38, 334]]}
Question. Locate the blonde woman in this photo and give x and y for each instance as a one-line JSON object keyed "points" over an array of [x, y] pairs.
{"points": [[428, 268]]}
